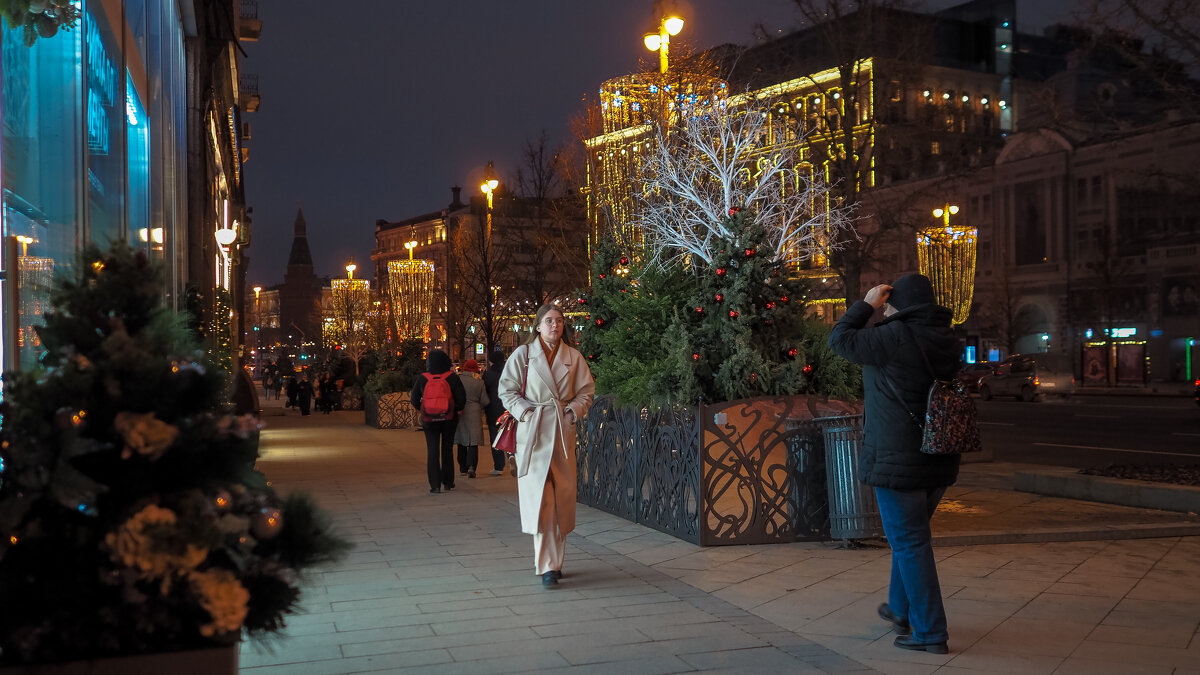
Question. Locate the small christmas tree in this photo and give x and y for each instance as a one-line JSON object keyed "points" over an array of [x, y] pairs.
{"points": [[131, 517]]}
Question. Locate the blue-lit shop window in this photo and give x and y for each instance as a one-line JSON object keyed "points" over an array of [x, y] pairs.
{"points": [[106, 126], [43, 159], [137, 138]]}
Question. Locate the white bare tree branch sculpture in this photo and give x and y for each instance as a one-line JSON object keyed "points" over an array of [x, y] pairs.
{"points": [[718, 160]]}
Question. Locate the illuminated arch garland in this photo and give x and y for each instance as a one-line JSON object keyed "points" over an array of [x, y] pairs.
{"points": [[946, 254], [410, 289]]}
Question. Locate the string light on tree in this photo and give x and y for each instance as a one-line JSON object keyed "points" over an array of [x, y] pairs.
{"points": [[946, 254]]}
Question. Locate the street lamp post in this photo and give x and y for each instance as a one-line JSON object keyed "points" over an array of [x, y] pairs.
{"points": [[946, 254], [489, 185], [660, 41], [257, 326]]}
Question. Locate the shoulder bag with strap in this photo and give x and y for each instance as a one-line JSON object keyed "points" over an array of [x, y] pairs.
{"points": [[951, 424], [506, 424]]}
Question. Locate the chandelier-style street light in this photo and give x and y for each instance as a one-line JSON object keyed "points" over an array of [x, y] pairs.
{"points": [[946, 254]]}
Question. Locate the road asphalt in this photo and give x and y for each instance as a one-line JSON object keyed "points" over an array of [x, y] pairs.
{"points": [[444, 583]]}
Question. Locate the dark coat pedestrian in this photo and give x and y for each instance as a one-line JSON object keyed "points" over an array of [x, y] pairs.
{"points": [[469, 434], [495, 407], [908, 483], [439, 436], [304, 395]]}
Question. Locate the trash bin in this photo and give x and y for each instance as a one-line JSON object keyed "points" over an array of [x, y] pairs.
{"points": [[808, 497], [853, 511]]}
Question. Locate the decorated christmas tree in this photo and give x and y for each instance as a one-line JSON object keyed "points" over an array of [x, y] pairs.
{"points": [[708, 304], [131, 516]]}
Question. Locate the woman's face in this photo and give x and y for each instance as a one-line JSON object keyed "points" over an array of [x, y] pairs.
{"points": [[551, 326]]}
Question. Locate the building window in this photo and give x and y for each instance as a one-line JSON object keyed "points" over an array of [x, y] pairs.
{"points": [[935, 148]]}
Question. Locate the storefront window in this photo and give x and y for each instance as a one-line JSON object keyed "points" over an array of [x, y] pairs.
{"points": [[106, 107], [93, 149], [42, 159]]}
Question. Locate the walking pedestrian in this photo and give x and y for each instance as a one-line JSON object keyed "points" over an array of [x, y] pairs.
{"points": [[439, 395], [304, 395], [469, 433], [548, 387], [293, 391], [495, 407], [908, 483]]}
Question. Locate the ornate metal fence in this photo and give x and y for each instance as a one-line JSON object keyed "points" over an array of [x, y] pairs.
{"points": [[390, 411], [743, 472], [642, 466]]}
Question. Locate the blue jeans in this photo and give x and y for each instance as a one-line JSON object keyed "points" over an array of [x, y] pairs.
{"points": [[914, 591]]}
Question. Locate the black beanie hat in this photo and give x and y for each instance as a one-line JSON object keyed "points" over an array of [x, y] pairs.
{"points": [[910, 290]]}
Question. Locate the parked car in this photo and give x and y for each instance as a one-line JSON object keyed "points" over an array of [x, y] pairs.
{"points": [[972, 373], [1028, 377]]}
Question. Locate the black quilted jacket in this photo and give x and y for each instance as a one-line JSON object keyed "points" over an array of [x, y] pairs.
{"points": [[890, 454]]}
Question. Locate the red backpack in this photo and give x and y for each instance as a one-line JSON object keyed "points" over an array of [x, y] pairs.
{"points": [[437, 401]]}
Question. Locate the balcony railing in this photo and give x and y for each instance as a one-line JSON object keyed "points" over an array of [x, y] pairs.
{"points": [[249, 25]]}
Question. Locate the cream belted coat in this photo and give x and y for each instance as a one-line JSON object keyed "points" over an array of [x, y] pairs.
{"points": [[546, 428]]}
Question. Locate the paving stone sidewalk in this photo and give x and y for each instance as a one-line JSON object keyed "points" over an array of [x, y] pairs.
{"points": [[444, 583]]}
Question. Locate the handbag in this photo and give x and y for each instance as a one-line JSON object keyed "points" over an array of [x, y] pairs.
{"points": [[951, 424], [506, 425]]}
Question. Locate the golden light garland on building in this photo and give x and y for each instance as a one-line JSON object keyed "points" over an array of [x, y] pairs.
{"points": [[946, 254], [410, 288]]}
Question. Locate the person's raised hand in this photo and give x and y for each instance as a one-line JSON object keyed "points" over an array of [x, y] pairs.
{"points": [[877, 297]]}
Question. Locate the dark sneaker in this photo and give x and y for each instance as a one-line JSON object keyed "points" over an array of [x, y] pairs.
{"points": [[471, 473], [549, 580], [434, 491], [907, 642], [900, 624]]}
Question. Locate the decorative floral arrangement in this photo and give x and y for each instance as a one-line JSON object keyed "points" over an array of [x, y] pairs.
{"points": [[131, 516], [39, 18]]}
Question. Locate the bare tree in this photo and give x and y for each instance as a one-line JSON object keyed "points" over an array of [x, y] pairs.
{"points": [[350, 307], [713, 165], [1159, 39], [477, 282], [546, 226]]}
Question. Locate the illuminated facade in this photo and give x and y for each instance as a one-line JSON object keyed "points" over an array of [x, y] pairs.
{"points": [[538, 254], [877, 122]]}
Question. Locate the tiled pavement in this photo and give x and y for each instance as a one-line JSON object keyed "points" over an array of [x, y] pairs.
{"points": [[444, 583]]}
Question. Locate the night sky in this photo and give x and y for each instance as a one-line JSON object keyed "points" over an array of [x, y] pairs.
{"points": [[375, 113]]}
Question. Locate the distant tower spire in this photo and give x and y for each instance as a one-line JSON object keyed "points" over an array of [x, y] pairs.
{"points": [[300, 255]]}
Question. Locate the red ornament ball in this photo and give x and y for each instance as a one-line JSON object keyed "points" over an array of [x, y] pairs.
{"points": [[720, 271], [599, 322], [783, 299], [603, 275], [734, 211], [695, 356], [733, 314], [624, 260], [750, 252], [792, 352], [583, 301], [699, 310], [770, 305], [720, 297], [808, 368]]}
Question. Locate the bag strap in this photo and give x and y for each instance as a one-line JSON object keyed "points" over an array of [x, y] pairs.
{"points": [[892, 386]]}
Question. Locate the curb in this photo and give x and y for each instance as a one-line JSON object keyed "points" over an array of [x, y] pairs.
{"points": [[1142, 494], [1136, 531]]}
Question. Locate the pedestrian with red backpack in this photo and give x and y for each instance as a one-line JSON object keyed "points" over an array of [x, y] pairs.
{"points": [[439, 396]]}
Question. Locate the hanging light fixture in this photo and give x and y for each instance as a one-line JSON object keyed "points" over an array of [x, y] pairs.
{"points": [[946, 254]]}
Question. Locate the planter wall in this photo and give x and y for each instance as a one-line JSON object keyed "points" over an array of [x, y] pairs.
{"points": [[390, 411], [750, 471], [213, 661]]}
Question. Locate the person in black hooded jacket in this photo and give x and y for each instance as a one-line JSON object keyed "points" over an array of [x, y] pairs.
{"points": [[908, 483], [439, 436], [495, 407]]}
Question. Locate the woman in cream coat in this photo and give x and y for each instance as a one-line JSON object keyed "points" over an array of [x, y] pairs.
{"points": [[558, 390]]}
